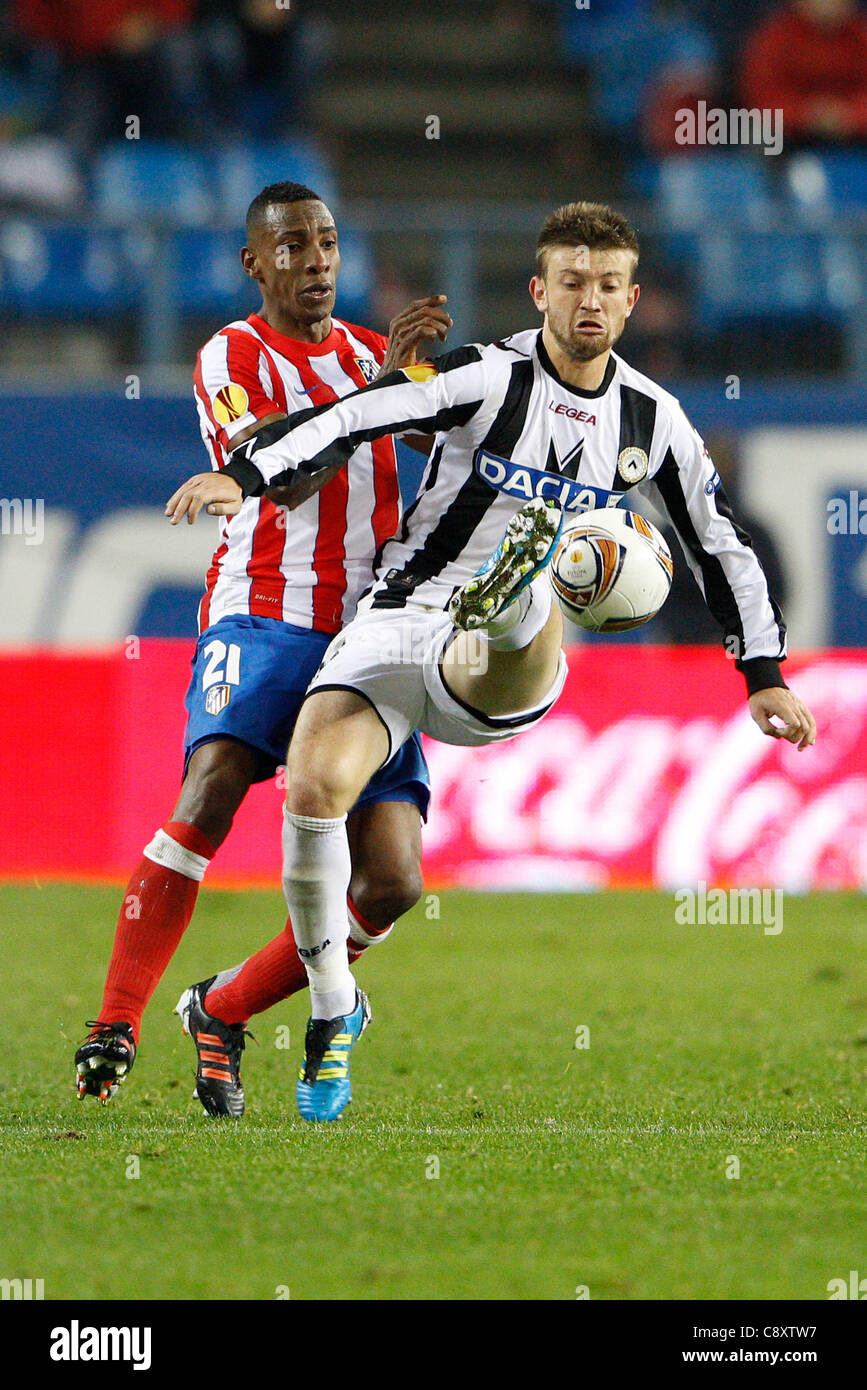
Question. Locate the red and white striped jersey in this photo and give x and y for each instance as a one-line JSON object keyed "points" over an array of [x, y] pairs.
{"points": [[308, 566]]}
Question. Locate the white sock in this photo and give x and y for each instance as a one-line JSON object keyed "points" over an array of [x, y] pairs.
{"points": [[523, 619], [316, 870], [360, 936], [165, 850]]}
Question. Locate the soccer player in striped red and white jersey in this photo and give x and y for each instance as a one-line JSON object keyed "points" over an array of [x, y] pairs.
{"points": [[307, 566], [280, 585]]}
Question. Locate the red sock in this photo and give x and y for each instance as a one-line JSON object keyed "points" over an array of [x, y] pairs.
{"points": [[272, 974], [156, 908]]}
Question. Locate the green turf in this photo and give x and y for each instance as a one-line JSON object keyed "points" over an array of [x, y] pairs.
{"points": [[559, 1167]]}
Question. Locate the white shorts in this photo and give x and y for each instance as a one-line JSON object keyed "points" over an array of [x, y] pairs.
{"points": [[393, 659]]}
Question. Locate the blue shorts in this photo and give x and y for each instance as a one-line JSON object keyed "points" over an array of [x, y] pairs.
{"points": [[250, 676]]}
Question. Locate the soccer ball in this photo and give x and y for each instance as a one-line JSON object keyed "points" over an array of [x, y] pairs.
{"points": [[611, 571]]}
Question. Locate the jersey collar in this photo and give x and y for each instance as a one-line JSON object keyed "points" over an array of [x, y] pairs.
{"points": [[548, 366], [294, 347]]}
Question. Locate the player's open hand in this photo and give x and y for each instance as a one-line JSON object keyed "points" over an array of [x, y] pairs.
{"points": [[796, 722], [421, 322], [218, 494]]}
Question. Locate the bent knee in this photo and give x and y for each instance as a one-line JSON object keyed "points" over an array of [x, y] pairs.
{"points": [[382, 899], [325, 789]]}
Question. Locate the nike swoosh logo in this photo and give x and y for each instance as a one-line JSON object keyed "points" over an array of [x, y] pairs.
{"points": [[304, 390]]}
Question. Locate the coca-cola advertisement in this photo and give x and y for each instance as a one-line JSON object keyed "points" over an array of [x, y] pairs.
{"points": [[648, 771]]}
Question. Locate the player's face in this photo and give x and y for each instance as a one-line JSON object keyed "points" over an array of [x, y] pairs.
{"points": [[586, 297], [294, 257]]}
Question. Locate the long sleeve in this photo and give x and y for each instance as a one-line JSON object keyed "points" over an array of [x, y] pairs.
{"points": [[427, 398], [721, 556]]}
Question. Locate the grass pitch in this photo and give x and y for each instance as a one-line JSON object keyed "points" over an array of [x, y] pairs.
{"points": [[485, 1156]]}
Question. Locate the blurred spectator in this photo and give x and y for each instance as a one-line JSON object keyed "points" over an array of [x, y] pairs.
{"points": [[676, 86], [644, 59], [261, 63], [189, 69], [117, 58], [36, 170], [810, 60]]}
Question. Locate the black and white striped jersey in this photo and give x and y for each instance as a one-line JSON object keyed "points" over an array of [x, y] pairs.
{"points": [[508, 428]]}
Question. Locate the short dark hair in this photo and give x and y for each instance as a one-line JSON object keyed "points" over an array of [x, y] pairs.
{"points": [[274, 196], [594, 225]]}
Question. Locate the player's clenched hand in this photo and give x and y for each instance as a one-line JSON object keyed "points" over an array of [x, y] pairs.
{"points": [[799, 726], [221, 495], [420, 322]]}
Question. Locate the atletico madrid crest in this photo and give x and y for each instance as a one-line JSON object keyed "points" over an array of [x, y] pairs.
{"points": [[367, 368], [217, 698]]}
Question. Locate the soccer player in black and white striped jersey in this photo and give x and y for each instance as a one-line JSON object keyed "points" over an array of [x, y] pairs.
{"points": [[548, 418]]}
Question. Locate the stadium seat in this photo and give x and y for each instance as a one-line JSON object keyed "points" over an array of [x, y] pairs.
{"points": [[244, 170], [693, 190], [820, 183], [133, 178], [73, 270], [584, 37], [208, 273], [80, 271], [355, 284], [770, 275]]}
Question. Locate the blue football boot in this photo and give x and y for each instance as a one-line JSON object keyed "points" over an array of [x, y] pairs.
{"points": [[526, 548], [323, 1089]]}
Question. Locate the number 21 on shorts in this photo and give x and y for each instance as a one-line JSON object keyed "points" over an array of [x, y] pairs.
{"points": [[222, 671]]}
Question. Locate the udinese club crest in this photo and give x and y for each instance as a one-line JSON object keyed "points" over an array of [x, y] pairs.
{"points": [[632, 465]]}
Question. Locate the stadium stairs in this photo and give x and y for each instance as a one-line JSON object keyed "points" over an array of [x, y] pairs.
{"points": [[513, 131]]}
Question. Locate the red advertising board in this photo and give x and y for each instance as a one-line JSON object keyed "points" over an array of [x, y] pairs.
{"points": [[648, 771]]}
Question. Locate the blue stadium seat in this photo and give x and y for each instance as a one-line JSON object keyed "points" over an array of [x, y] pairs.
{"points": [[133, 178], [85, 272], [244, 170], [693, 190], [771, 275], [820, 183], [355, 284], [208, 273], [77, 271], [584, 34]]}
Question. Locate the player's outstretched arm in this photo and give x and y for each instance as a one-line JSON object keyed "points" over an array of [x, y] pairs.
{"points": [[795, 722], [303, 452]]}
